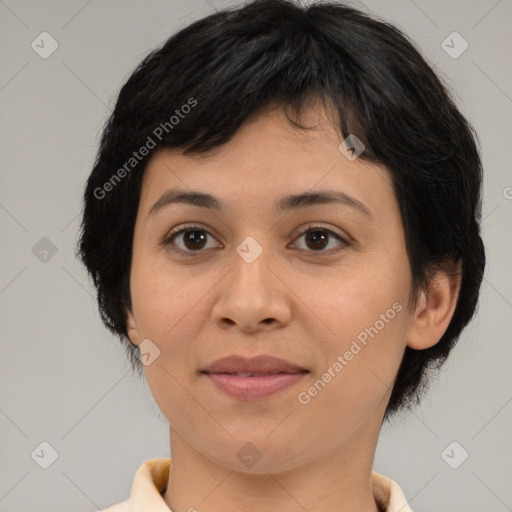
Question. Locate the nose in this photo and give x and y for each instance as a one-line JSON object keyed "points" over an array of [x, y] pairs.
{"points": [[252, 296]]}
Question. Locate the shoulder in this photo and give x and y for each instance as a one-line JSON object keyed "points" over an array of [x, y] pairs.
{"points": [[120, 507], [148, 483], [388, 494]]}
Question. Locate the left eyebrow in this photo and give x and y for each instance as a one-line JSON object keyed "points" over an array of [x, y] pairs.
{"points": [[286, 203], [306, 199]]}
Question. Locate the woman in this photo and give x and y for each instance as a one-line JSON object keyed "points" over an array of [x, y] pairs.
{"points": [[283, 228]]}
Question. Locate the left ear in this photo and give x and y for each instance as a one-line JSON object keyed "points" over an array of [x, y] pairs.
{"points": [[435, 308]]}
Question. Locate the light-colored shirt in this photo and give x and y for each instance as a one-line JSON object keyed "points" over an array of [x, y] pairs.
{"points": [[151, 479]]}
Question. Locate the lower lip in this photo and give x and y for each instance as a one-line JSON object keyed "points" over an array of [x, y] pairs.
{"points": [[256, 387]]}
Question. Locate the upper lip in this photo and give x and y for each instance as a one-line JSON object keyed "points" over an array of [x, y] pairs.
{"points": [[259, 364]]}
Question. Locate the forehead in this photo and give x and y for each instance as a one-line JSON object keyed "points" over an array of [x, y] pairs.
{"points": [[267, 159]]}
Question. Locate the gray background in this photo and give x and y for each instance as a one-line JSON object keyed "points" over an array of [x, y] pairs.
{"points": [[65, 380]]}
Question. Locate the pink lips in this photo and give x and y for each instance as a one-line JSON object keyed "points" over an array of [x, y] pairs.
{"points": [[255, 378]]}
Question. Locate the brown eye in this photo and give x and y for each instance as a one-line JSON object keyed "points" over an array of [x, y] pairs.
{"points": [[194, 239], [188, 240], [317, 238]]}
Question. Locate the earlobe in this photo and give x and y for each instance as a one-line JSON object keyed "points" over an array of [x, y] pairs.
{"points": [[434, 310]]}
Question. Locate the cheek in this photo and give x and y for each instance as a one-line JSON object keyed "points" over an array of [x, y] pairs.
{"points": [[164, 301], [357, 378], [170, 310], [368, 290], [365, 308]]}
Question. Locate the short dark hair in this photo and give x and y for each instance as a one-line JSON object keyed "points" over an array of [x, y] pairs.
{"points": [[228, 66]]}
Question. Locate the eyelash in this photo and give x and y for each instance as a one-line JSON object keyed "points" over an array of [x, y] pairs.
{"points": [[167, 240]]}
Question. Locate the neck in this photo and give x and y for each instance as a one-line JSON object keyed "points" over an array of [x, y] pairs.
{"points": [[337, 481]]}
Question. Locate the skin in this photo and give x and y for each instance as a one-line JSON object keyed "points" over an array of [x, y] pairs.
{"points": [[294, 301]]}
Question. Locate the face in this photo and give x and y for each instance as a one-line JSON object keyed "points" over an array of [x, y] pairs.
{"points": [[321, 284]]}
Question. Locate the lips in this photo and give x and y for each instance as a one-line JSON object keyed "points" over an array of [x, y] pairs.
{"points": [[253, 379], [260, 365]]}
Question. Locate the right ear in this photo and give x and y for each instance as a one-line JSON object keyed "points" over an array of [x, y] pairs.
{"points": [[133, 332]]}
